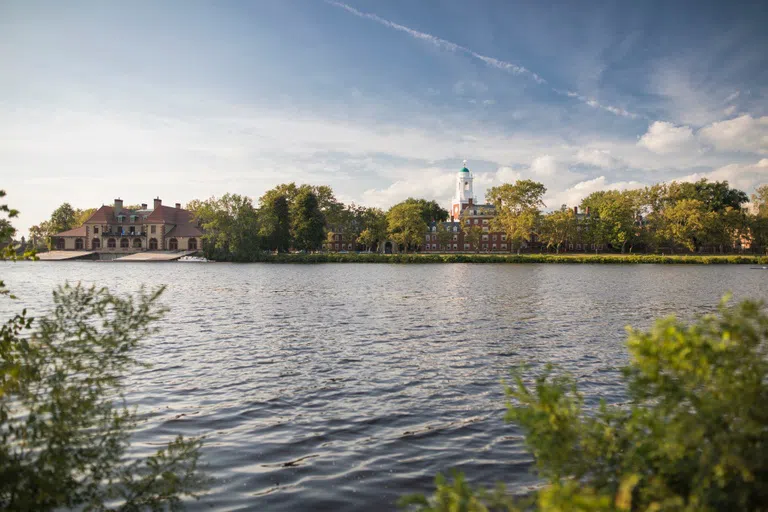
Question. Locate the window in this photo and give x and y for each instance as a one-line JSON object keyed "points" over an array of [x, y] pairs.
{"points": [[477, 221], [485, 246], [503, 238], [485, 221], [79, 244], [570, 247], [153, 243], [434, 228], [485, 238], [137, 243], [427, 238], [95, 243], [578, 247], [152, 229], [111, 243], [466, 185], [466, 246], [455, 238], [455, 247], [503, 246], [96, 230], [485, 229], [493, 247], [434, 247], [494, 238], [124, 243], [336, 246], [173, 244], [192, 244], [455, 229], [467, 222]]}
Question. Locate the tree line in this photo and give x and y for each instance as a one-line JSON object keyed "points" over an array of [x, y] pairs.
{"points": [[705, 216]]}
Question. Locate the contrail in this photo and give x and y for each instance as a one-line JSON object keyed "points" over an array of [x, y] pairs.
{"points": [[509, 67]]}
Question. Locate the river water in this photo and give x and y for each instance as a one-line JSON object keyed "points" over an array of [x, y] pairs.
{"points": [[345, 386]]}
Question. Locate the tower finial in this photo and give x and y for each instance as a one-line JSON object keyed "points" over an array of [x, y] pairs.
{"points": [[464, 163]]}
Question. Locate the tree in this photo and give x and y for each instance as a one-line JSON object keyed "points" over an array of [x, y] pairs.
{"points": [[557, 228], [760, 200], [472, 236], [231, 226], [406, 224], [691, 435], [684, 223], [617, 214], [308, 222], [275, 223], [83, 215], [430, 210], [517, 208], [63, 218], [444, 235]]}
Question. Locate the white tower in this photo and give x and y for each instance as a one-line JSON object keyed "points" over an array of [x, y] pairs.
{"points": [[464, 193]]}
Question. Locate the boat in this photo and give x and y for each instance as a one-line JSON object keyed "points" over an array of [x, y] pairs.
{"points": [[194, 259]]}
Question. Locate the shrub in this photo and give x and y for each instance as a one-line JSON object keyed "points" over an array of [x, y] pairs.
{"points": [[64, 425], [694, 435]]}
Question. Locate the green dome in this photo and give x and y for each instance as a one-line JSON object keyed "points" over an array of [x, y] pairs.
{"points": [[464, 170]]}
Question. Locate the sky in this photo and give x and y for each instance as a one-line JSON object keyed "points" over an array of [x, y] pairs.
{"points": [[381, 100]]}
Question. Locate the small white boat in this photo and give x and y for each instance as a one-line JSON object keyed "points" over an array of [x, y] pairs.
{"points": [[195, 259]]}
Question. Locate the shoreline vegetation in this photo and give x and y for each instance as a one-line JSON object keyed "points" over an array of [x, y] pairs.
{"points": [[510, 258]]}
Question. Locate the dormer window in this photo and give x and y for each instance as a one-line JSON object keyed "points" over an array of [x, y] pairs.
{"points": [[120, 219]]}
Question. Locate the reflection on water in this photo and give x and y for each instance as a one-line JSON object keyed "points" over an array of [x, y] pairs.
{"points": [[345, 386]]}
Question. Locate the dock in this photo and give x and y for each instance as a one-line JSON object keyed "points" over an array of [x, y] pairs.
{"points": [[155, 256], [66, 255]]}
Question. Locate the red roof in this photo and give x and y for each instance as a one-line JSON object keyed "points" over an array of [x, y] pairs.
{"points": [[184, 230], [73, 232], [169, 215]]}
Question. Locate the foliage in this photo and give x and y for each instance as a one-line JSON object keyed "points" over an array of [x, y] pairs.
{"points": [[275, 223], [557, 228], [615, 215], [472, 236], [231, 227], [430, 210], [406, 224], [517, 207], [308, 222], [691, 437], [444, 235], [64, 425]]}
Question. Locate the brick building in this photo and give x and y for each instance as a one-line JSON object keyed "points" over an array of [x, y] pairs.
{"points": [[115, 229]]}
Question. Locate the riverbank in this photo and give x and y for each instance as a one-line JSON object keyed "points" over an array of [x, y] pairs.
{"points": [[512, 258]]}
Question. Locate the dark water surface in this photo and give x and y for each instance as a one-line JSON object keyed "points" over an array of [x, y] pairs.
{"points": [[344, 386]]}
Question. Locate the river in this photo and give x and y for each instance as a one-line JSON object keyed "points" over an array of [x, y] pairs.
{"points": [[345, 386]]}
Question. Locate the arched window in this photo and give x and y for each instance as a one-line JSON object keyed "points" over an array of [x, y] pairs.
{"points": [[173, 244], [153, 244], [95, 243], [124, 244], [192, 244], [79, 244], [137, 243], [60, 244], [111, 243]]}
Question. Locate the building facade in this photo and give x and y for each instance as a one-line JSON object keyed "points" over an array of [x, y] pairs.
{"points": [[114, 229]]}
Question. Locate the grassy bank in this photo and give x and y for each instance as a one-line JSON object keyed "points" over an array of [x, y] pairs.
{"points": [[511, 258]]}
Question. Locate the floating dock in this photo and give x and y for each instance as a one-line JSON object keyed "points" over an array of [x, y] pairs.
{"points": [[155, 256], [66, 255]]}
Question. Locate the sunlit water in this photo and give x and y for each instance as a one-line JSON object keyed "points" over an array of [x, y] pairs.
{"points": [[343, 387]]}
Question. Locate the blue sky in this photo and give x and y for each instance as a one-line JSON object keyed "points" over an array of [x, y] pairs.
{"points": [[379, 99]]}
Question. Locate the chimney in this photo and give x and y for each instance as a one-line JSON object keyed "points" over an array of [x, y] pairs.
{"points": [[178, 206], [158, 203], [587, 210], [576, 210], [143, 206], [118, 206], [469, 202]]}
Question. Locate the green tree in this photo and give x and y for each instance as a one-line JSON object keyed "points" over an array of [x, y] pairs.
{"points": [[691, 437], [308, 222], [276, 223], [444, 235], [83, 215], [406, 224], [430, 210], [231, 226], [472, 236], [685, 223], [557, 228], [63, 218], [517, 209], [617, 214]]}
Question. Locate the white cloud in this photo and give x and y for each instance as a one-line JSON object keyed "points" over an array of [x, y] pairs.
{"points": [[741, 176], [598, 158], [664, 137], [743, 133], [572, 196], [431, 182]]}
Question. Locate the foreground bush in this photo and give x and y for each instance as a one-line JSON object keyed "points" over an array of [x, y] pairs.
{"points": [[64, 426], [693, 436]]}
